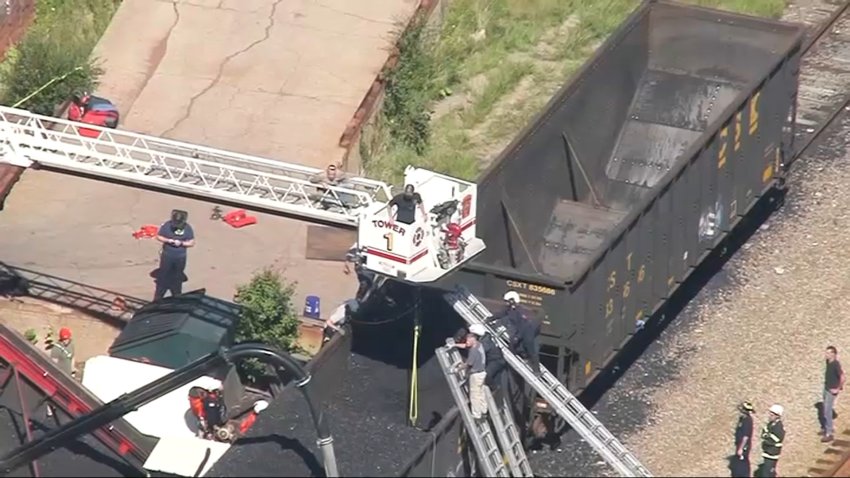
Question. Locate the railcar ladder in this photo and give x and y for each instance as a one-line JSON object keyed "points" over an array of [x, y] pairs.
{"points": [[554, 392], [480, 431], [27, 139]]}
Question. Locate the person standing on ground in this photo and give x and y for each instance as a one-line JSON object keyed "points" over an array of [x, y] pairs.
{"points": [[743, 441], [176, 235], [832, 384], [62, 352], [475, 366], [772, 438]]}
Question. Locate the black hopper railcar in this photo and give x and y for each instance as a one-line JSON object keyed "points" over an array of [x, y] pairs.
{"points": [[633, 174]]}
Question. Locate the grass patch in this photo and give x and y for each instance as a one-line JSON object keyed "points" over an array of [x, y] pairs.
{"points": [[483, 50], [501, 82], [762, 8], [57, 48]]}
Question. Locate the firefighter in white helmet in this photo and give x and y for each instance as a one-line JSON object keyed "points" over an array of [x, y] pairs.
{"points": [[522, 329], [772, 437], [494, 361]]}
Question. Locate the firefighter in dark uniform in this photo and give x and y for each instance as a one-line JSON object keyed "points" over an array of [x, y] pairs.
{"points": [[772, 436], [743, 441], [365, 277], [523, 330], [176, 237]]}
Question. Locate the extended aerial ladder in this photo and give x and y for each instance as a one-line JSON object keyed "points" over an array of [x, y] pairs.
{"points": [[487, 435], [413, 252], [565, 404]]}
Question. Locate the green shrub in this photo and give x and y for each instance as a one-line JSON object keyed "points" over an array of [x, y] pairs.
{"points": [[56, 52], [38, 61], [268, 316], [409, 91]]}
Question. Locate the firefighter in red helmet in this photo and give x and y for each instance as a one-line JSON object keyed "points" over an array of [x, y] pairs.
{"points": [[62, 351]]}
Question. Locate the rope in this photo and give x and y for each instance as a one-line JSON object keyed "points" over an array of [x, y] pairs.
{"points": [[39, 90], [414, 378], [413, 413]]}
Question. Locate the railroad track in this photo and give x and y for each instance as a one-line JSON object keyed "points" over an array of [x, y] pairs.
{"points": [[824, 94], [824, 90]]}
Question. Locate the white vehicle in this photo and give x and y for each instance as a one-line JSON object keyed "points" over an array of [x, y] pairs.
{"points": [[420, 252], [431, 246]]}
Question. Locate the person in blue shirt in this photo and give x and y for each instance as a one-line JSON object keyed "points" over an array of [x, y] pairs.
{"points": [[176, 236]]}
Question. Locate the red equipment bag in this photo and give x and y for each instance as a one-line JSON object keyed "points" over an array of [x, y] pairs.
{"points": [[196, 401], [453, 232], [93, 110]]}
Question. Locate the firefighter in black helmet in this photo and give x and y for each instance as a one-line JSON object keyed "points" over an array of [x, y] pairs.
{"points": [[772, 436], [743, 441]]}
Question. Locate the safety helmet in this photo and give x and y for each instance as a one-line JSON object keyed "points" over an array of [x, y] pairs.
{"points": [[178, 218], [64, 333], [477, 329], [260, 406], [776, 410], [512, 296]]}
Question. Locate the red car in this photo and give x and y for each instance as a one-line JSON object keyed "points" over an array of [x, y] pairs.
{"points": [[94, 110]]}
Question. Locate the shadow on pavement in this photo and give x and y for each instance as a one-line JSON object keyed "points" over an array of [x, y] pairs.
{"points": [[108, 306]]}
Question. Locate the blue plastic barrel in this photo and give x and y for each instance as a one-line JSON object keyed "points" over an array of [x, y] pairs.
{"points": [[311, 307]]}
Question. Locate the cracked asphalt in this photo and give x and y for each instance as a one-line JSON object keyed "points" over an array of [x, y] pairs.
{"points": [[280, 79]]}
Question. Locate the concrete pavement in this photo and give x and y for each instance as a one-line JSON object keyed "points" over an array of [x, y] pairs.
{"points": [[274, 78]]}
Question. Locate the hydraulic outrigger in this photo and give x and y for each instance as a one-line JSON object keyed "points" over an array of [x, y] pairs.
{"points": [[129, 402]]}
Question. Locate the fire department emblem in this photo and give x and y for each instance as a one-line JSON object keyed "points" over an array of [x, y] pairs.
{"points": [[418, 236]]}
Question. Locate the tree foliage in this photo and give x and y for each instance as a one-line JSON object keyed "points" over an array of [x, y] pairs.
{"points": [[409, 90], [58, 44], [268, 315]]}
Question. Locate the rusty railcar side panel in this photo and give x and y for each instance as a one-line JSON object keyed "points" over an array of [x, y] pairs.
{"points": [[678, 149]]}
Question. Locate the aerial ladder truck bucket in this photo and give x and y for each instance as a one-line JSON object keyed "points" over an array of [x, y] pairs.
{"points": [[432, 245]]}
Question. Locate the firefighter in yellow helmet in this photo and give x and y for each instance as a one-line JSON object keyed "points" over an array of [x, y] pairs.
{"points": [[743, 441]]}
